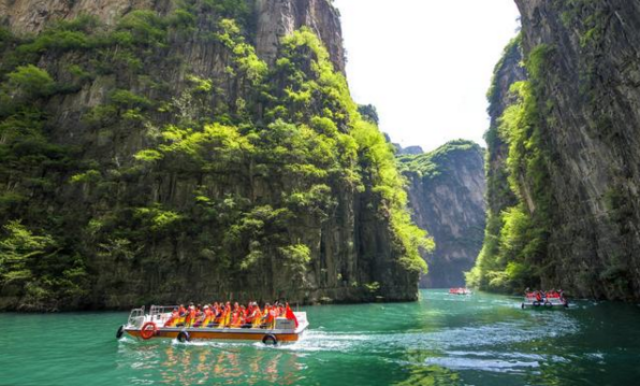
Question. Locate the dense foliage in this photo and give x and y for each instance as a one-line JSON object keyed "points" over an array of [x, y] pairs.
{"points": [[429, 165], [229, 179], [516, 238]]}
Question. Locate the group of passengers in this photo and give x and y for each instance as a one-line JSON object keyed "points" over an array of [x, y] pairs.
{"points": [[224, 315], [542, 295]]}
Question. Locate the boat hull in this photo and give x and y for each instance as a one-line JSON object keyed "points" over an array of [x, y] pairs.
{"points": [[555, 304], [213, 334]]}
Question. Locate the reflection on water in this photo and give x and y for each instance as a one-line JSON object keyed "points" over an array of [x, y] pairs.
{"points": [[444, 340], [208, 363]]}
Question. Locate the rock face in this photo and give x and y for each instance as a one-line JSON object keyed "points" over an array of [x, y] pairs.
{"points": [[275, 19], [280, 18], [589, 88], [446, 194], [28, 16], [171, 164], [507, 72], [574, 164]]}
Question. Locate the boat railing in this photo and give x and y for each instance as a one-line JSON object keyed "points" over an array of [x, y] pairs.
{"points": [[160, 314], [136, 317]]}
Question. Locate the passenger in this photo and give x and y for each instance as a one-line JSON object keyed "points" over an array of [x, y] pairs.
{"points": [[270, 317], [238, 318], [209, 317], [217, 312], [253, 316], [256, 316], [538, 296], [220, 315], [243, 314], [225, 320], [175, 316], [183, 316], [199, 316], [191, 317]]}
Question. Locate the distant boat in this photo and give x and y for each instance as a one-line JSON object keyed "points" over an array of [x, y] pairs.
{"points": [[459, 291], [554, 300]]}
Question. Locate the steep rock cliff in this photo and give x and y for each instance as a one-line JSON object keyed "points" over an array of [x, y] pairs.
{"points": [[150, 155], [273, 19], [587, 89], [574, 158], [446, 194], [281, 18], [499, 194]]}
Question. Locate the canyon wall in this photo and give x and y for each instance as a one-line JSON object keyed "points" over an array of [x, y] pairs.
{"points": [[162, 152], [446, 194], [573, 162]]}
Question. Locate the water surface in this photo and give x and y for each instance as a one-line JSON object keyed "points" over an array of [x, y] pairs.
{"points": [[444, 339]]}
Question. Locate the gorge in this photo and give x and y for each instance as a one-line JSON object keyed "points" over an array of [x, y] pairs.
{"points": [[154, 150]]}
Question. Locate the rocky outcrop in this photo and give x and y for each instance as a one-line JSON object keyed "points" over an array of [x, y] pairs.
{"points": [[587, 90], [508, 71], [163, 166], [280, 18], [446, 194], [573, 160], [32, 16], [274, 19]]}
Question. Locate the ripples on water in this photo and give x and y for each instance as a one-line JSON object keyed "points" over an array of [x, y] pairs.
{"points": [[441, 340]]}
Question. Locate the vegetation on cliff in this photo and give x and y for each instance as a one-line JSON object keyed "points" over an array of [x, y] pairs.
{"points": [[430, 165], [229, 180], [563, 203], [516, 239]]}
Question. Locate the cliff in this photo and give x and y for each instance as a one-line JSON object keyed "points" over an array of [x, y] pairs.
{"points": [[446, 194], [161, 151], [499, 194], [271, 19], [573, 157]]}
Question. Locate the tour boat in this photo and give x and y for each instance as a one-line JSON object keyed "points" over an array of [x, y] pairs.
{"points": [[150, 326], [546, 302], [459, 291]]}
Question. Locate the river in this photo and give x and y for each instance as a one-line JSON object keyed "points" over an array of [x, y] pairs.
{"points": [[443, 339]]}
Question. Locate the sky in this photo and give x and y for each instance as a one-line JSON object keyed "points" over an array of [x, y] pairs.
{"points": [[426, 64]]}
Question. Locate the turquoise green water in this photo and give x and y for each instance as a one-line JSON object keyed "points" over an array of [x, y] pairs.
{"points": [[441, 340]]}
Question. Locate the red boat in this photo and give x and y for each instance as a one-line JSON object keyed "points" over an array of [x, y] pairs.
{"points": [[549, 300], [459, 291]]}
